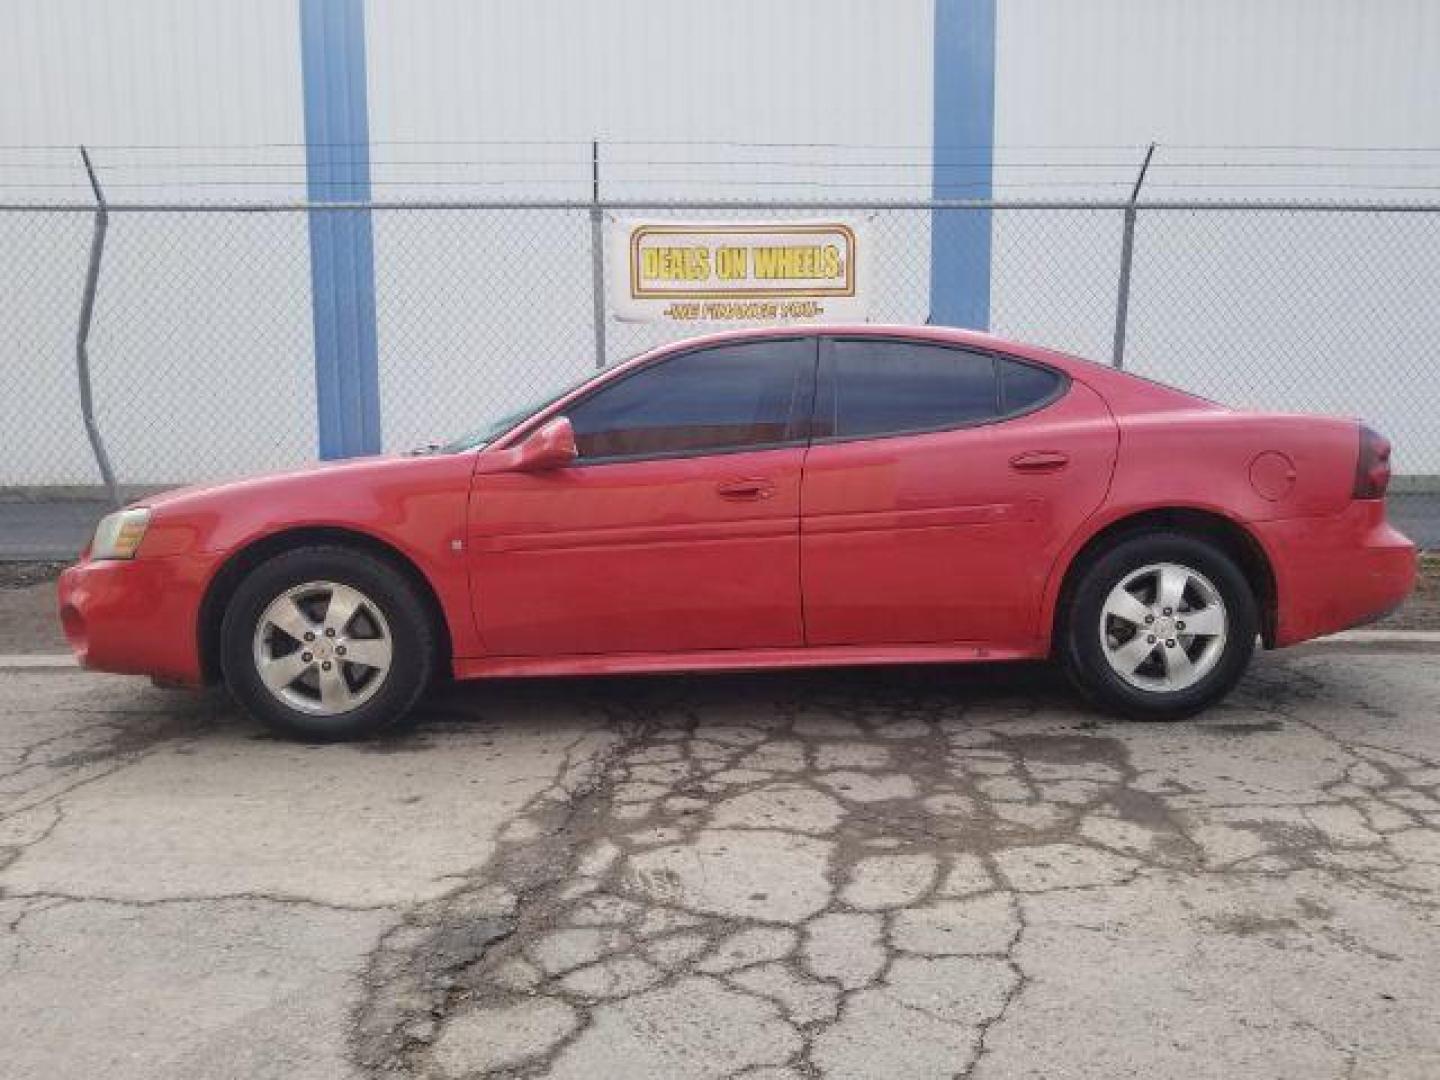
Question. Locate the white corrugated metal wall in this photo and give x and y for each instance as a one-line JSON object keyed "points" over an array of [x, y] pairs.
{"points": [[150, 84], [678, 94], [1283, 99], [205, 100]]}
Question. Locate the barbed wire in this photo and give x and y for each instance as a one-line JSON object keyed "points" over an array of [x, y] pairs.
{"points": [[740, 143], [700, 165], [733, 184], [372, 162]]}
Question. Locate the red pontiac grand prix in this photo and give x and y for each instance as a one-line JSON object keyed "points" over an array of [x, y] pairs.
{"points": [[766, 499]]}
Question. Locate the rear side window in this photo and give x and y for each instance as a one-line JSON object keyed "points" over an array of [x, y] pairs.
{"points": [[1024, 386], [730, 397], [888, 387]]}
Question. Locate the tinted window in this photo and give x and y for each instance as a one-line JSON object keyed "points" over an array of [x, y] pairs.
{"points": [[1024, 386], [725, 398], [893, 386]]}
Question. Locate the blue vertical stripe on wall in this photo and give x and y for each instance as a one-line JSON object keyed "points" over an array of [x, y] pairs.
{"points": [[342, 252], [963, 161]]}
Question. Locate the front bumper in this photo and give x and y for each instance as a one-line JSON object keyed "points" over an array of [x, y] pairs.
{"points": [[137, 616], [1333, 573]]}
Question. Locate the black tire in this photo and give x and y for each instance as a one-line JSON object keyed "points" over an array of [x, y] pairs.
{"points": [[412, 641], [1082, 652]]}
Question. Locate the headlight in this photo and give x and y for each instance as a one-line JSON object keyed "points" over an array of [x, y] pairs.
{"points": [[119, 534]]}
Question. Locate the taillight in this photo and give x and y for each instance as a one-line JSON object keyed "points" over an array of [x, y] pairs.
{"points": [[1372, 470]]}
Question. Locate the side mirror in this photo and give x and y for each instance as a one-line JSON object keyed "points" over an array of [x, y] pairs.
{"points": [[549, 447]]}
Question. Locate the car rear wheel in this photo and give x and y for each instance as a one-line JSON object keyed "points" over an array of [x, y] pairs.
{"points": [[327, 643], [1159, 627]]}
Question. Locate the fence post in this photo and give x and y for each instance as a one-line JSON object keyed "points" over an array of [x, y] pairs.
{"points": [[82, 336], [597, 257], [1127, 252]]}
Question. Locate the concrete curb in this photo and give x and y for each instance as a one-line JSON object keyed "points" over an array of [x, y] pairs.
{"points": [[1380, 637], [35, 661]]}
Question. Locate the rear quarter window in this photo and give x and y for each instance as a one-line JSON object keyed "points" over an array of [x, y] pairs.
{"points": [[1024, 387]]}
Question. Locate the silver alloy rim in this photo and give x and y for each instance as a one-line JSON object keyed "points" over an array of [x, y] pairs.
{"points": [[1163, 627], [323, 648]]}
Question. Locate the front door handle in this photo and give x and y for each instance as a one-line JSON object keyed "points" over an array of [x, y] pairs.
{"points": [[746, 489], [1036, 461]]}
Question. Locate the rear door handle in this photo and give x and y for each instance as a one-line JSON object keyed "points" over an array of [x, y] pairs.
{"points": [[746, 489], [1034, 461]]}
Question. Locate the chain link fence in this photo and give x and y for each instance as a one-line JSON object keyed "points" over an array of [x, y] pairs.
{"points": [[202, 351]]}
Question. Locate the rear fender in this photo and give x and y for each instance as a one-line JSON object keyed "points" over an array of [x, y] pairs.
{"points": [[1196, 517]]}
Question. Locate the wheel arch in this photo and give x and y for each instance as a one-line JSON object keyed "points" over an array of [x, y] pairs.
{"points": [[1224, 532], [227, 579]]}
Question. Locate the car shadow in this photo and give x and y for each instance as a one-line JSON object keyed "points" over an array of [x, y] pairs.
{"points": [[986, 693], [1025, 687]]}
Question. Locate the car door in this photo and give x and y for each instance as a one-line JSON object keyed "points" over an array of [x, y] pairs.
{"points": [[676, 529], [940, 486]]}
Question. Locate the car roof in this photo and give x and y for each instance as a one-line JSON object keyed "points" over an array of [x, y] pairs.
{"points": [[942, 335], [1122, 392], [1122, 389]]}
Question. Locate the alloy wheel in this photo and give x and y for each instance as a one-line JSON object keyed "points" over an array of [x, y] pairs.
{"points": [[323, 648], [1163, 627]]}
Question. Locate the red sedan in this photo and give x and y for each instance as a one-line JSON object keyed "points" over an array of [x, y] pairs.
{"points": [[766, 499]]}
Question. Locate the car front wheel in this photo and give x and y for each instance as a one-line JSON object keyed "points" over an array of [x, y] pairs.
{"points": [[1160, 626], [327, 643]]}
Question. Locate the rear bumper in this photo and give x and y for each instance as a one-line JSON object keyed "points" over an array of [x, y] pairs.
{"points": [[1333, 573], [136, 617]]}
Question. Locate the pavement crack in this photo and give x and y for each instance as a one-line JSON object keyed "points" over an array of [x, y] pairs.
{"points": [[285, 899], [424, 968]]}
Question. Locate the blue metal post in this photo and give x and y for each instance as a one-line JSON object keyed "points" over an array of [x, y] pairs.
{"points": [[963, 148], [342, 254]]}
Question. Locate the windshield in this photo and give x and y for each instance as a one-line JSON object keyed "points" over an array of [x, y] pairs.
{"points": [[490, 432]]}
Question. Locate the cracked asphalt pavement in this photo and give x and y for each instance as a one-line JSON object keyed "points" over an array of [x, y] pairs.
{"points": [[895, 873]]}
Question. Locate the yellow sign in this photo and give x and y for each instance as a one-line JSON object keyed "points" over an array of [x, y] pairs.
{"points": [[726, 272]]}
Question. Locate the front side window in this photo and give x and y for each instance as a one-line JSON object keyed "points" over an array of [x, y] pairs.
{"points": [[887, 387], [730, 397]]}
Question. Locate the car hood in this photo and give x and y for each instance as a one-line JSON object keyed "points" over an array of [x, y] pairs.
{"points": [[359, 470], [358, 491], [405, 499]]}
